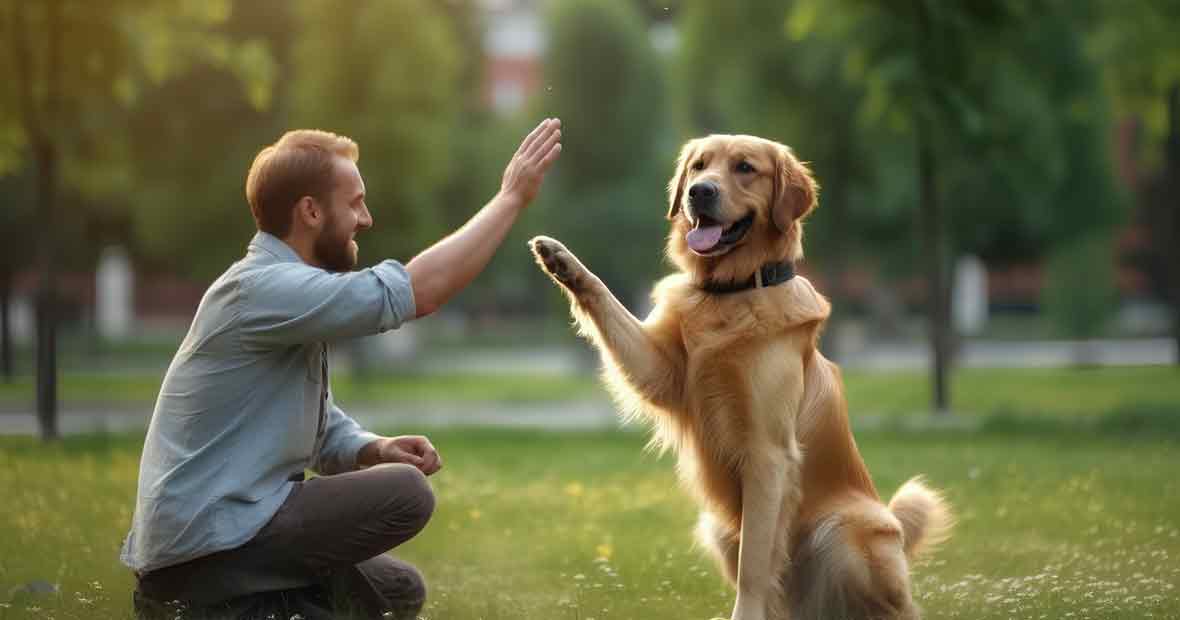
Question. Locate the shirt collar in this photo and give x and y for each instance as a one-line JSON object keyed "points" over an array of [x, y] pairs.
{"points": [[275, 247]]}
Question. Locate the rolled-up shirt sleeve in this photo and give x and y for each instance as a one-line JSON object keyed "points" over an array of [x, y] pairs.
{"points": [[343, 439], [295, 303]]}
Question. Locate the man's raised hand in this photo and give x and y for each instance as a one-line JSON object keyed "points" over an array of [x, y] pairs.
{"points": [[526, 170]]}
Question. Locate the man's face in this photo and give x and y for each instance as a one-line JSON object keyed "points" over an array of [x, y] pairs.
{"points": [[345, 214]]}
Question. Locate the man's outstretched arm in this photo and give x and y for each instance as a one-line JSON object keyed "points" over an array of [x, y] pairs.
{"points": [[445, 268]]}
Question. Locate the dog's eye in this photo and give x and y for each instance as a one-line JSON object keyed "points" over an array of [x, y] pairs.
{"points": [[698, 164], [744, 167]]}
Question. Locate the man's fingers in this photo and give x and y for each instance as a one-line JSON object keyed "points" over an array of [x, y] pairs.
{"points": [[532, 137], [433, 463], [410, 458], [550, 157], [541, 147], [541, 144], [552, 128]]}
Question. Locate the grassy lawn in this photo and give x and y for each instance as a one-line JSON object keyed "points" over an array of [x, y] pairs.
{"points": [[1055, 525], [1025, 392]]}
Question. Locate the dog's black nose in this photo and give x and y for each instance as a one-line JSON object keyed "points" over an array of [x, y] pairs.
{"points": [[705, 191]]}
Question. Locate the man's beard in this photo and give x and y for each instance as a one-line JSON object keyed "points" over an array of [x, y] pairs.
{"points": [[333, 249]]}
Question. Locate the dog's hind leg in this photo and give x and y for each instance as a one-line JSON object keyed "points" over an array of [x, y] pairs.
{"points": [[851, 566]]}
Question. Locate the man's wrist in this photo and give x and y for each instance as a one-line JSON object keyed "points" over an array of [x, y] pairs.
{"points": [[511, 200], [370, 453]]}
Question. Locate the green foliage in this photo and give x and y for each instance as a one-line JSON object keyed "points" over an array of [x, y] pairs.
{"points": [[601, 79], [1135, 44], [1080, 292], [190, 211], [606, 198], [81, 75], [1015, 114], [386, 74]]}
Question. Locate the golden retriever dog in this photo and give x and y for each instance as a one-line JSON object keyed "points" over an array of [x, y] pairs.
{"points": [[726, 370]]}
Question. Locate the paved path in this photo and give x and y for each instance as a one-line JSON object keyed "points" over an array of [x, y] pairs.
{"points": [[599, 414], [1017, 354], [399, 417]]}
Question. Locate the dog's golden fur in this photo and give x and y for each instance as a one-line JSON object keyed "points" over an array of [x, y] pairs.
{"points": [[735, 385]]}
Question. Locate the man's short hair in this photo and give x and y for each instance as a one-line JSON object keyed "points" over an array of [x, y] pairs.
{"points": [[299, 164]]}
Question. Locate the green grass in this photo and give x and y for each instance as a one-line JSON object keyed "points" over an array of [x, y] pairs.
{"points": [[587, 525], [1026, 392]]}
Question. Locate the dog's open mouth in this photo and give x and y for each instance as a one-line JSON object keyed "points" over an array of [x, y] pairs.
{"points": [[711, 238]]}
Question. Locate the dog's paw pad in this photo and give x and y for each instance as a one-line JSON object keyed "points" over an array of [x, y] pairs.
{"points": [[554, 259]]}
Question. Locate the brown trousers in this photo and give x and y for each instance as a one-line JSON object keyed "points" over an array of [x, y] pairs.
{"points": [[321, 554]]}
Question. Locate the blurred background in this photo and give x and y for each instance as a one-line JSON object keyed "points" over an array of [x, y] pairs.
{"points": [[1001, 178]]}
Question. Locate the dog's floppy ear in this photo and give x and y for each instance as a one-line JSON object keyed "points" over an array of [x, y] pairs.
{"points": [[795, 191], [676, 185]]}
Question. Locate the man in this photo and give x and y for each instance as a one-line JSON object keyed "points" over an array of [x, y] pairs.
{"points": [[224, 520]]}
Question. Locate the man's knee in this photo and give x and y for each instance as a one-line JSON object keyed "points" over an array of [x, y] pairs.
{"points": [[410, 500]]}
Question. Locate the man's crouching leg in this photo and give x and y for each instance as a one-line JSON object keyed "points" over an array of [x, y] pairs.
{"points": [[331, 531], [392, 589], [388, 587]]}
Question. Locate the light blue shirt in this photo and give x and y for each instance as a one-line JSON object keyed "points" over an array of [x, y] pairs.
{"points": [[246, 403]]}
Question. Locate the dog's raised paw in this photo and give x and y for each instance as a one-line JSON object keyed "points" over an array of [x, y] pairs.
{"points": [[557, 261]]}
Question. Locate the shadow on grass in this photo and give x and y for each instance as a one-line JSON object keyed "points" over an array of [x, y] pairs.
{"points": [[1142, 421], [1147, 421]]}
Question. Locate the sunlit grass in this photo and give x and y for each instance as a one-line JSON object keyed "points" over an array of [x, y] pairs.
{"points": [[579, 526]]}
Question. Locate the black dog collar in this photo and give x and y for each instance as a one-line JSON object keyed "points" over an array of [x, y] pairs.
{"points": [[769, 275]]}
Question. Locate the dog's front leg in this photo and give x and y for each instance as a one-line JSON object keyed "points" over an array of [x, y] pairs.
{"points": [[767, 476], [651, 368]]}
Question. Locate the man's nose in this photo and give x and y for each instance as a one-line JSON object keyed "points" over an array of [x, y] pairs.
{"points": [[366, 219]]}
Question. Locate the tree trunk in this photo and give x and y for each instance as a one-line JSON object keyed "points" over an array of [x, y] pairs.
{"points": [[930, 211], [1171, 191], [41, 126], [6, 326], [47, 297], [936, 289]]}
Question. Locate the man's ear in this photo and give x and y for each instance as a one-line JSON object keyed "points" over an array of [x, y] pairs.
{"points": [[676, 185], [308, 212], [796, 193]]}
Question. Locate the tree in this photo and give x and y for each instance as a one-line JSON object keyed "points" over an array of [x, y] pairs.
{"points": [[189, 213], [606, 199], [74, 66], [387, 74], [1135, 43], [977, 90]]}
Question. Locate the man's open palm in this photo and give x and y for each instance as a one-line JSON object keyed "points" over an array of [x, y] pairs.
{"points": [[526, 170]]}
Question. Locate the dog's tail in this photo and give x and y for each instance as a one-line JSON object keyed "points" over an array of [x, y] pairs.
{"points": [[925, 516]]}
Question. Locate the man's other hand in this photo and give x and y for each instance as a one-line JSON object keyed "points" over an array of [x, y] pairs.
{"points": [[413, 450], [526, 170]]}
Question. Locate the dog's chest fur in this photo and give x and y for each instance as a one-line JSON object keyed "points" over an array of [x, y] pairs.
{"points": [[745, 354], [745, 359]]}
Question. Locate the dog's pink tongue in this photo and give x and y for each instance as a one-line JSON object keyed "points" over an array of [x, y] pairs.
{"points": [[703, 238]]}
